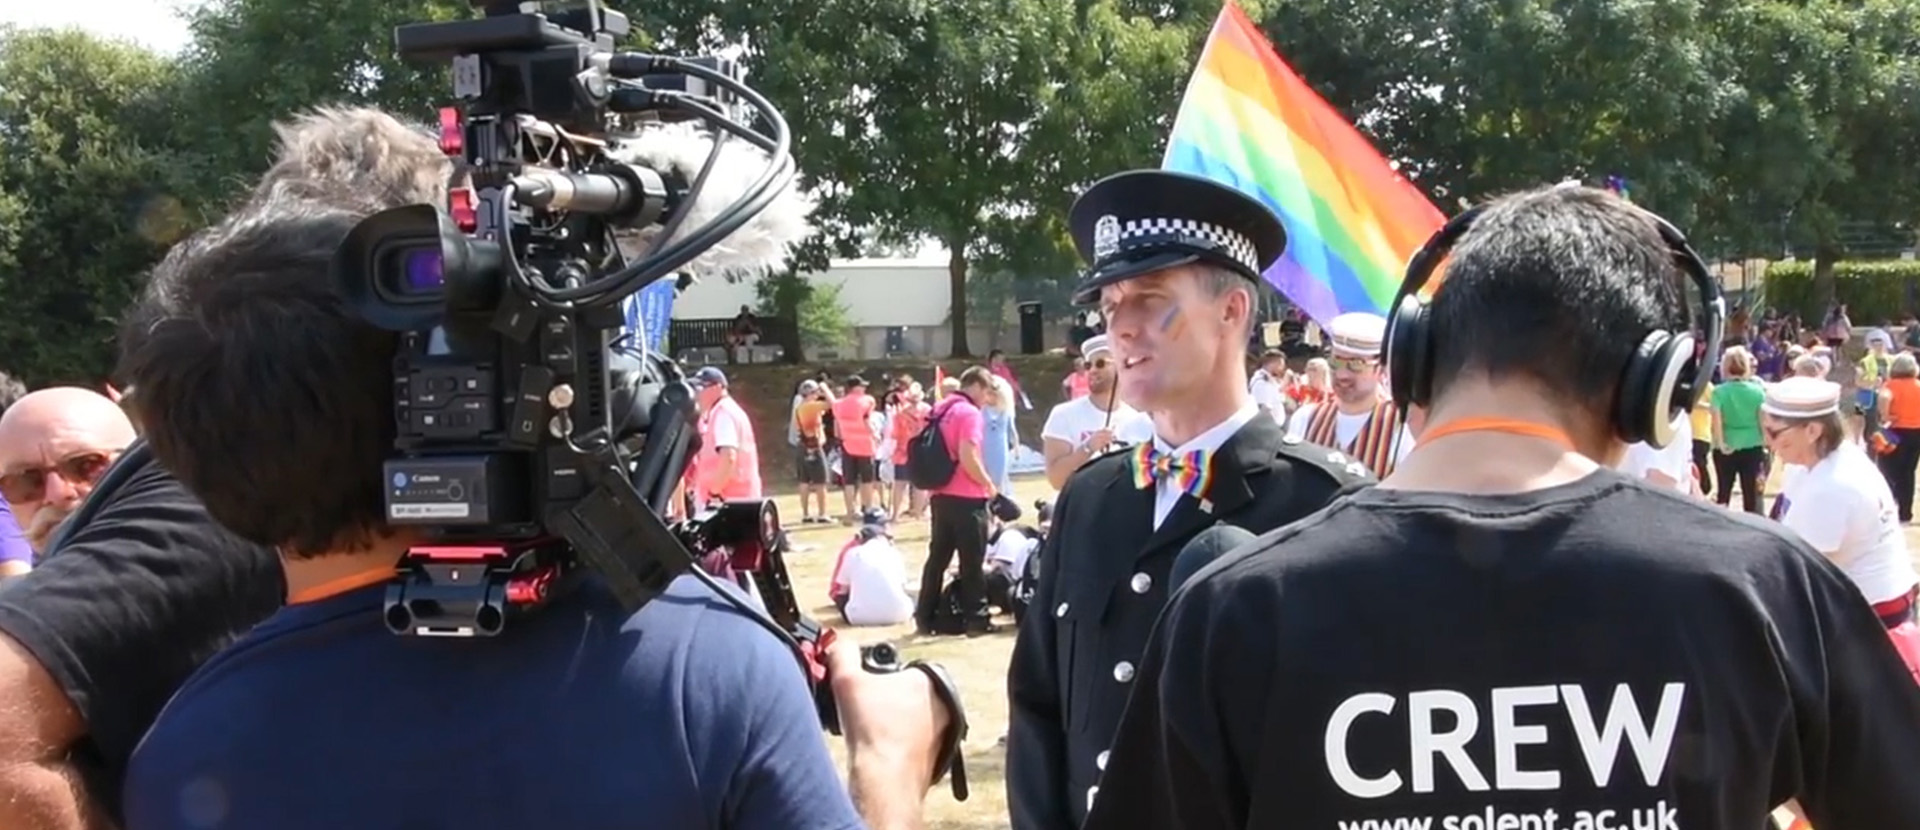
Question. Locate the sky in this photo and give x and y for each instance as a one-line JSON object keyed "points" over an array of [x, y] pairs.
{"points": [[151, 23]]}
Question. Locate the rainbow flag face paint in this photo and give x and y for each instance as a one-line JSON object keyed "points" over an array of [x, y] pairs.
{"points": [[1249, 122]]}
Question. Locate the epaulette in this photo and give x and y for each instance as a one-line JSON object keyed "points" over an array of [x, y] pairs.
{"points": [[1346, 471], [1116, 448]]}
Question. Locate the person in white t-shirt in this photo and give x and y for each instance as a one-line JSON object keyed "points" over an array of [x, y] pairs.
{"points": [[1841, 505], [869, 582], [1086, 426], [1671, 467], [1268, 385]]}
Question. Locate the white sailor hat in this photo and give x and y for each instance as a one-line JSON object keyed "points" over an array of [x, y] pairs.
{"points": [[1357, 334], [1094, 345], [1801, 397]]}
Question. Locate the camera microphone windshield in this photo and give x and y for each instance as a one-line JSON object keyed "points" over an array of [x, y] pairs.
{"points": [[527, 446]]}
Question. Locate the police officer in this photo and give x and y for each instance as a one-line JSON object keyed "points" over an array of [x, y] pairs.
{"points": [[1175, 262]]}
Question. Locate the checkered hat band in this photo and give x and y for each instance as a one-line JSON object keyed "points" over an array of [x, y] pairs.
{"points": [[1148, 233]]}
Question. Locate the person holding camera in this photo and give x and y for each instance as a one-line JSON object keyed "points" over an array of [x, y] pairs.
{"points": [[1506, 632], [141, 586], [272, 401], [1174, 262]]}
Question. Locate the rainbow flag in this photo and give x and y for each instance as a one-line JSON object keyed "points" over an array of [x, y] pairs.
{"points": [[1352, 221]]}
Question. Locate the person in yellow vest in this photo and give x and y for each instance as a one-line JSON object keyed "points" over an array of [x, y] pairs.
{"points": [[1357, 420]]}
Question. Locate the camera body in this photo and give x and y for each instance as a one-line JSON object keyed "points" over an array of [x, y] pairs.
{"points": [[528, 444]]}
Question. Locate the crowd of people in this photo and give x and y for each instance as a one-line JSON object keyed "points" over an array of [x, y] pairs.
{"points": [[1451, 608]]}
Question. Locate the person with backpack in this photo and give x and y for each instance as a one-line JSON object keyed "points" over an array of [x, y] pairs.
{"points": [[945, 460]]}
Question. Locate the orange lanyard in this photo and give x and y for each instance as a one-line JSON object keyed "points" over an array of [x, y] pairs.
{"points": [[1510, 426], [335, 587]]}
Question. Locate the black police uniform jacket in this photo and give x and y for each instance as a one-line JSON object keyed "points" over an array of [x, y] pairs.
{"points": [[1103, 581]]}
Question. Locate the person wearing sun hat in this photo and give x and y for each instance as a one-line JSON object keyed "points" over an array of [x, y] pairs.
{"points": [[1357, 420], [1841, 505], [1174, 263]]}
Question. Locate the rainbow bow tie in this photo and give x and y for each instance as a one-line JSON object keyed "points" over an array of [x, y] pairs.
{"points": [[1189, 472]]}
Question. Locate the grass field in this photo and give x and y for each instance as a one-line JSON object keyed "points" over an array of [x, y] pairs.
{"points": [[978, 664]]}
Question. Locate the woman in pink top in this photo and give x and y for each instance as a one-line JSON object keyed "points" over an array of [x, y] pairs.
{"points": [[1076, 385], [908, 419], [997, 363]]}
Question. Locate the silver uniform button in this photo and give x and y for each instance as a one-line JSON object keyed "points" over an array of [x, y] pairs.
{"points": [[1100, 761], [1061, 611], [1142, 583], [1123, 671], [1091, 792]]}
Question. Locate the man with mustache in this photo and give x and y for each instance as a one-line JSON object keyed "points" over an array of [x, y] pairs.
{"points": [[54, 444], [1360, 422], [1175, 265]]}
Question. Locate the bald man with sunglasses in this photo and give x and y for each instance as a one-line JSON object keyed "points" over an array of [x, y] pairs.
{"points": [[54, 444]]}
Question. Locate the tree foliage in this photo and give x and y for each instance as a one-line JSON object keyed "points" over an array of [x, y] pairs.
{"points": [[90, 195], [1755, 124], [820, 316]]}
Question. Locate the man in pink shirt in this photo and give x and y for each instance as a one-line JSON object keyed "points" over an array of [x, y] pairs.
{"points": [[958, 509], [854, 422], [729, 462]]}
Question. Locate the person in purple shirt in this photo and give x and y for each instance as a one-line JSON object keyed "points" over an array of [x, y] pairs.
{"points": [[16, 556]]}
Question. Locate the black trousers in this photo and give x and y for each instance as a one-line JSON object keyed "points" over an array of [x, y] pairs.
{"points": [[958, 528], [1745, 465], [1898, 468], [1703, 465]]}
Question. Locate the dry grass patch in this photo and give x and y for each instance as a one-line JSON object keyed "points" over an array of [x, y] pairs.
{"points": [[978, 664]]}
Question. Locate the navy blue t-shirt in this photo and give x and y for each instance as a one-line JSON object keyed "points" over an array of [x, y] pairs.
{"points": [[685, 715]]}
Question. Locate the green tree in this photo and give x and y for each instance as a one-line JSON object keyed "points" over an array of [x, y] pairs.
{"points": [[820, 316], [256, 61], [1828, 126], [910, 119], [91, 194]]}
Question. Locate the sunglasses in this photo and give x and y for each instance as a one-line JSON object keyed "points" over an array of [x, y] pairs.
{"points": [[31, 484], [1776, 432], [1101, 363], [1351, 364]]}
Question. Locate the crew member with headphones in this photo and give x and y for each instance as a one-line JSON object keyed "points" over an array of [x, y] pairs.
{"points": [[1506, 632]]}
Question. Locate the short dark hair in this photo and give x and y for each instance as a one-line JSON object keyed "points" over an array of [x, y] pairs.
{"points": [[255, 384], [11, 391], [259, 388], [1558, 285]]}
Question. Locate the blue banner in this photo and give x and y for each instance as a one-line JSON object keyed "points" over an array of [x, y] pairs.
{"points": [[649, 314]]}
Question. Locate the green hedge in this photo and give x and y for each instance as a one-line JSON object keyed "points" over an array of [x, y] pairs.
{"points": [[1873, 291]]}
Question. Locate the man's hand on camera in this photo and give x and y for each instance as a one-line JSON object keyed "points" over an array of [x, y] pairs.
{"points": [[893, 725]]}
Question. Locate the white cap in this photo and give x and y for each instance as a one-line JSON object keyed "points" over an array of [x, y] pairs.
{"points": [[1880, 335], [1095, 344], [1801, 397], [1357, 334]]}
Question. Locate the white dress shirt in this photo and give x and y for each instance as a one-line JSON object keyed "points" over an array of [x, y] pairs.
{"points": [[1166, 495]]}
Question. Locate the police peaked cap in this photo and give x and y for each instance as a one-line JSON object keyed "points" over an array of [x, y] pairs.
{"points": [[1134, 223]]}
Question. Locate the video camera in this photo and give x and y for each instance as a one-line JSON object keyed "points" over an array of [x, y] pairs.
{"points": [[528, 442]]}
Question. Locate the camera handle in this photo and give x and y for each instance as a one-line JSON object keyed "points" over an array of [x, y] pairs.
{"points": [[883, 658]]}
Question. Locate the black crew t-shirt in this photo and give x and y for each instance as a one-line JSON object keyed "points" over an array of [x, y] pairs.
{"points": [[1600, 655], [144, 588]]}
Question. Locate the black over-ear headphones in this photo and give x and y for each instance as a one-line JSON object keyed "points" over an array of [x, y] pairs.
{"points": [[1660, 382]]}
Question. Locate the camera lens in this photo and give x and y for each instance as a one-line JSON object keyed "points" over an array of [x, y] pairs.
{"points": [[423, 271]]}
